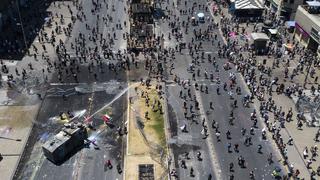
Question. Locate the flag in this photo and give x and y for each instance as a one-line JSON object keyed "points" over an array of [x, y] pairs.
{"points": [[106, 118]]}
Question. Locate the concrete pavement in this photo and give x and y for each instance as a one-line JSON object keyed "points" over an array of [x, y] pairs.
{"points": [[16, 123]]}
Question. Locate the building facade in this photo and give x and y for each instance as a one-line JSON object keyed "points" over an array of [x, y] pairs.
{"points": [[307, 27], [289, 7]]}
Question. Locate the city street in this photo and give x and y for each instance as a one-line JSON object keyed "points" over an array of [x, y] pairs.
{"points": [[165, 89], [88, 162], [193, 141]]}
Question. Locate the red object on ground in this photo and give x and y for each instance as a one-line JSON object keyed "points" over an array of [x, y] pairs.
{"points": [[106, 118]]}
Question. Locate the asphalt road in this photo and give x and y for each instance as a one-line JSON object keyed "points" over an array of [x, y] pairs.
{"points": [[193, 141], [88, 162]]}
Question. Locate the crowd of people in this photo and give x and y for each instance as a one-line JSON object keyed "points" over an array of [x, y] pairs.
{"points": [[258, 78], [96, 50]]}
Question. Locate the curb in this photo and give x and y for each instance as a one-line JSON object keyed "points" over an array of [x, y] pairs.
{"points": [[127, 136], [28, 139], [167, 131]]}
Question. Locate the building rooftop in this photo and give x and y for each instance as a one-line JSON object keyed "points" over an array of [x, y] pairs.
{"points": [[247, 4], [277, 2], [313, 3], [259, 36], [314, 17]]}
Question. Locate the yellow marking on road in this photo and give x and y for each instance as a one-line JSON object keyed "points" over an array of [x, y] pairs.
{"points": [[78, 164]]}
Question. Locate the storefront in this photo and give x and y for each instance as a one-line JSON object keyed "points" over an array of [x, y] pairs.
{"points": [[301, 34]]}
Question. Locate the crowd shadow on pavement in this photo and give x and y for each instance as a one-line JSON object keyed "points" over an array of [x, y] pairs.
{"points": [[33, 15]]}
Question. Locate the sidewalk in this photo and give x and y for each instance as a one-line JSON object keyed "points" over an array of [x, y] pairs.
{"points": [[16, 122], [301, 139]]}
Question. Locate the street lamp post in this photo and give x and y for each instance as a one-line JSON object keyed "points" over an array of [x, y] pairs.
{"points": [[21, 24]]}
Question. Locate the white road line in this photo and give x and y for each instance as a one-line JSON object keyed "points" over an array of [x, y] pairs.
{"points": [[210, 84], [66, 84], [211, 147], [128, 127]]}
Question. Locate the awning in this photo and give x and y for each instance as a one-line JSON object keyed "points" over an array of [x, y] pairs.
{"points": [[200, 15], [273, 31], [313, 3], [291, 23], [247, 4], [259, 36]]}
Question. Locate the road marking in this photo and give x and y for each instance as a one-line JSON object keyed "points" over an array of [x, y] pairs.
{"points": [[210, 84], [38, 163], [209, 139], [128, 127], [215, 164], [198, 80], [67, 84], [4, 78], [170, 161]]}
